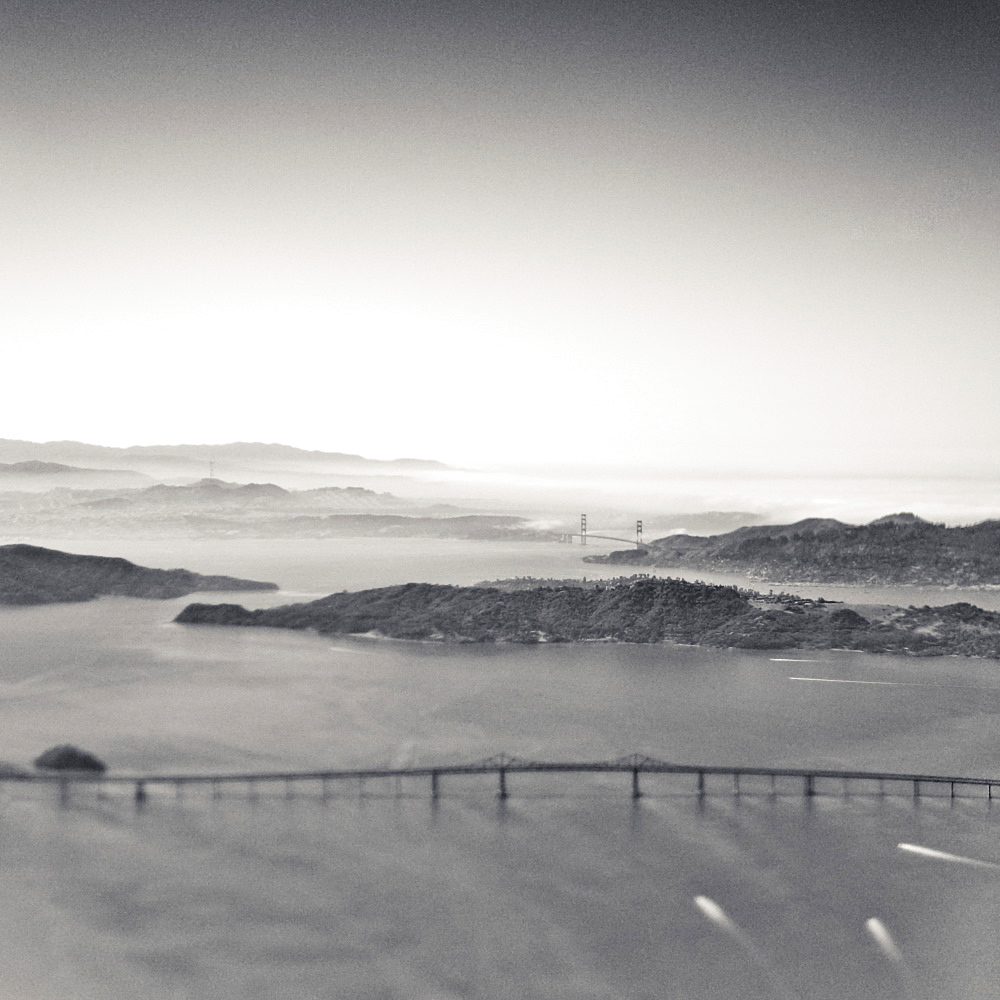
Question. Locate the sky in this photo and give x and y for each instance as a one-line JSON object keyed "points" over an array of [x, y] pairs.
{"points": [[710, 237]]}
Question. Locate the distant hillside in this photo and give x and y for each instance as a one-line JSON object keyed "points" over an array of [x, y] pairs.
{"points": [[213, 507], [35, 476], [210, 491], [472, 527], [185, 459], [642, 610], [33, 575], [37, 469], [707, 523], [896, 549], [207, 494]]}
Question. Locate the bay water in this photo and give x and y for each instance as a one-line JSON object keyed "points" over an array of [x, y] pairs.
{"points": [[568, 889]]}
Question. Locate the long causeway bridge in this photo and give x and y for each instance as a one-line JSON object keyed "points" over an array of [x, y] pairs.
{"points": [[705, 779]]}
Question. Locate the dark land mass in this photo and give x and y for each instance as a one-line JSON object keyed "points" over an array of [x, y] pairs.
{"points": [[643, 610], [892, 550], [33, 575]]}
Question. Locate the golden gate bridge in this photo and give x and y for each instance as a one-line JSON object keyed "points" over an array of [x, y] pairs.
{"points": [[583, 534]]}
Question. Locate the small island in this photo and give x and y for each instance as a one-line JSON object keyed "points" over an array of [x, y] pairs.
{"points": [[898, 549], [634, 610], [30, 574]]}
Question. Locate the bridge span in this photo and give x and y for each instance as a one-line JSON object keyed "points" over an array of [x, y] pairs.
{"points": [[610, 538], [707, 778], [583, 534]]}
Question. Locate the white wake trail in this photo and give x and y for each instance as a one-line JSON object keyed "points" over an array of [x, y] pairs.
{"points": [[912, 684], [715, 913], [930, 852], [883, 939]]}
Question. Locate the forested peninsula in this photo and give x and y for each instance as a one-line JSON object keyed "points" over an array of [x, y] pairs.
{"points": [[638, 610], [892, 550], [30, 574]]}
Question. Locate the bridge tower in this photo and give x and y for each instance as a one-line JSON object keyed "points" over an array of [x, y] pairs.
{"points": [[638, 534], [583, 529]]}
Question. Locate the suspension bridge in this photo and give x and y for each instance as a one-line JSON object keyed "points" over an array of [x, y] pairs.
{"points": [[583, 534], [706, 779]]}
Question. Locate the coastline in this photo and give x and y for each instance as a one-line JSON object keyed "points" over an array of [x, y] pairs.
{"points": [[648, 611]]}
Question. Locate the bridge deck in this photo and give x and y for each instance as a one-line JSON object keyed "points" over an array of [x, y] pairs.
{"points": [[503, 766]]}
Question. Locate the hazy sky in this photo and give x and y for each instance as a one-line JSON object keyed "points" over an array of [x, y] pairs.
{"points": [[743, 235]]}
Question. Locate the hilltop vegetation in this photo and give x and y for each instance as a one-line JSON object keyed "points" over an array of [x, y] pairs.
{"points": [[33, 575], [898, 549], [641, 610], [510, 584], [647, 611]]}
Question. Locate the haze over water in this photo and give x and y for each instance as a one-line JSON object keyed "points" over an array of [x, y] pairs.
{"points": [[567, 890], [654, 493], [717, 256]]}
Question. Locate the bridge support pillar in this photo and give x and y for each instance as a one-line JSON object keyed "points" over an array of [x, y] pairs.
{"points": [[503, 794], [435, 785], [736, 783], [701, 782], [140, 792], [916, 789], [810, 787], [636, 791]]}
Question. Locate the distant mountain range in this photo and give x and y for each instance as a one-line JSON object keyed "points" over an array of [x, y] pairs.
{"points": [[239, 460], [38, 469], [215, 508], [34, 475], [896, 549]]}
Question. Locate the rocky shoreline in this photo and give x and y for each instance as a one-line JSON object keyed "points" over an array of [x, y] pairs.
{"points": [[30, 575], [896, 550], [642, 611]]}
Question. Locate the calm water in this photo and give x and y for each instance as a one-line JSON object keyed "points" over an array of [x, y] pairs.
{"points": [[568, 890]]}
